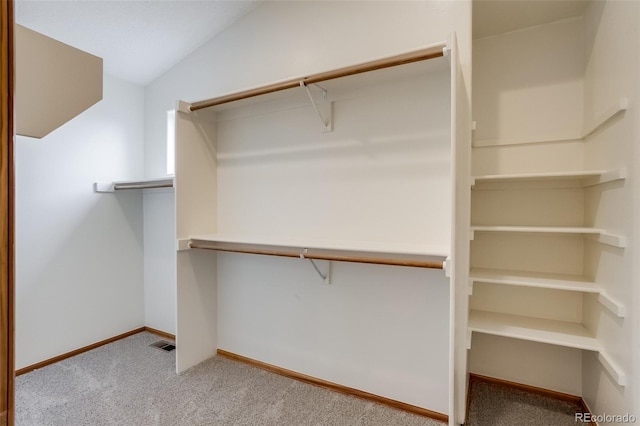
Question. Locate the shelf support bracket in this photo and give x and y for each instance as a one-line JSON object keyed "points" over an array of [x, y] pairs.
{"points": [[612, 368], [326, 277], [325, 122]]}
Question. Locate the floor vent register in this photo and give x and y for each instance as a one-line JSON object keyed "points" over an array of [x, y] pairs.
{"points": [[164, 345]]}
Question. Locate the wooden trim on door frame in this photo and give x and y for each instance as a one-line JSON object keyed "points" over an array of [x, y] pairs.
{"points": [[7, 82]]}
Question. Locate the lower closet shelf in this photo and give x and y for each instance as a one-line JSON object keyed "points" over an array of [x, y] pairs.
{"points": [[563, 333]]}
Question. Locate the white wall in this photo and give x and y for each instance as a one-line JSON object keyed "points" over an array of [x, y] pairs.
{"points": [[78, 253], [159, 260], [276, 41], [519, 97], [610, 74]]}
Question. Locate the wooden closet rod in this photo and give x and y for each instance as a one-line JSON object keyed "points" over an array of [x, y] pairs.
{"points": [[354, 259], [435, 51]]}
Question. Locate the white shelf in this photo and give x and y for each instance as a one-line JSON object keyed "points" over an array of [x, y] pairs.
{"points": [[594, 233], [586, 178], [164, 182], [545, 280], [407, 249], [562, 333], [533, 279]]}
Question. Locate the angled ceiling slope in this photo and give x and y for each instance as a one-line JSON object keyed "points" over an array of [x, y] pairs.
{"points": [[54, 82], [139, 40], [492, 17]]}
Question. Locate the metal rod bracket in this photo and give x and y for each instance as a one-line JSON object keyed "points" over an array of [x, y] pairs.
{"points": [[326, 277], [326, 122]]}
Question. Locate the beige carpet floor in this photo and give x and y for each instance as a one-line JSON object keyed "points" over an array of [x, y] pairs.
{"points": [[129, 383]]}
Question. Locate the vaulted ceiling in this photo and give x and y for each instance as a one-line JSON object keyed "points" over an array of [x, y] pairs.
{"points": [[138, 40]]}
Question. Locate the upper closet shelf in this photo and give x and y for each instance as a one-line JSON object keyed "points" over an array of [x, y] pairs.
{"points": [[585, 178], [430, 52], [599, 235], [413, 255], [166, 182]]}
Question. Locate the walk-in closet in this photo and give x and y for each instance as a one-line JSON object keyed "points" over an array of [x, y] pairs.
{"points": [[392, 200]]}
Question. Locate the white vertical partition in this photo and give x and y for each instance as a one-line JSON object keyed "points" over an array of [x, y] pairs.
{"points": [[196, 328], [611, 79], [461, 207]]}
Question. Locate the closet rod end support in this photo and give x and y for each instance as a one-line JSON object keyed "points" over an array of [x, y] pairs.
{"points": [[447, 265], [183, 106], [103, 187]]}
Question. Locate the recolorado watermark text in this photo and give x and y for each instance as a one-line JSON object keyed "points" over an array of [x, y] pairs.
{"points": [[604, 418]]}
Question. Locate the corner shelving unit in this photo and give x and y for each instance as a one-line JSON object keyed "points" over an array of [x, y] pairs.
{"points": [[538, 329]]}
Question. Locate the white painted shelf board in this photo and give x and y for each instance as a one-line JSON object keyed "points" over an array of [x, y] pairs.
{"points": [[534, 279], [538, 229], [562, 333], [597, 234], [537, 176], [339, 245], [547, 281]]}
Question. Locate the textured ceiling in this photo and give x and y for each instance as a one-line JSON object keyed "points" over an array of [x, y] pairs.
{"points": [[491, 17], [138, 40]]}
